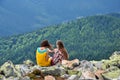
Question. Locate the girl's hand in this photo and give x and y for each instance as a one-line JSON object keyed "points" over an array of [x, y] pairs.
{"points": [[55, 50], [51, 51]]}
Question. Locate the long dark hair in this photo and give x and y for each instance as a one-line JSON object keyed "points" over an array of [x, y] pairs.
{"points": [[60, 44], [46, 44], [62, 48]]}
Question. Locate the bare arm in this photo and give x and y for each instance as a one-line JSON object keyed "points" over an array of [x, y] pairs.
{"points": [[50, 51]]}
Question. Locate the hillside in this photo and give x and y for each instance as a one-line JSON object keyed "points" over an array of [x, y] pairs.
{"points": [[20, 16], [90, 38]]}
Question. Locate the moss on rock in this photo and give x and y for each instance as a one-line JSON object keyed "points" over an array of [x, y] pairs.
{"points": [[74, 72], [112, 74]]}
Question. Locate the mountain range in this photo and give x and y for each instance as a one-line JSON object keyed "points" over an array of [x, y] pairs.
{"points": [[90, 38], [23, 16]]}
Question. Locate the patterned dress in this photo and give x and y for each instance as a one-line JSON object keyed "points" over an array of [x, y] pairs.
{"points": [[57, 57]]}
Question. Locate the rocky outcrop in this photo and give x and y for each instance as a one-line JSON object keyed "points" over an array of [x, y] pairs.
{"points": [[8, 69], [112, 67], [68, 70]]}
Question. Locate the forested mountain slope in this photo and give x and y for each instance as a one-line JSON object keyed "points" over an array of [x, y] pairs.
{"points": [[93, 37]]}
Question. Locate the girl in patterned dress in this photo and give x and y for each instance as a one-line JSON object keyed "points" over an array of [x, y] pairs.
{"points": [[60, 53]]}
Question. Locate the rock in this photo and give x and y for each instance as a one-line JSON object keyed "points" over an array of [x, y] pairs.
{"points": [[105, 64], [88, 75], [13, 78], [29, 63], [97, 64], [115, 55], [49, 78], [17, 78], [31, 76], [73, 77], [23, 69], [87, 65], [114, 63], [73, 72], [2, 73], [70, 64], [112, 68], [118, 78], [108, 69], [59, 78], [109, 63], [9, 69], [35, 74], [36, 67], [65, 76], [111, 74], [54, 71], [25, 78], [79, 74], [38, 79], [75, 62], [2, 77], [98, 74], [115, 59]]}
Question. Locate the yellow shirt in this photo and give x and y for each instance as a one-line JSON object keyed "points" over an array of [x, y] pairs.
{"points": [[42, 57]]}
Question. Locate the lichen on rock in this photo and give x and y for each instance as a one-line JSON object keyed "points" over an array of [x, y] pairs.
{"points": [[111, 75]]}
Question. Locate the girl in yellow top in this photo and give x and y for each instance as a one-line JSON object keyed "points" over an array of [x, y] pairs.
{"points": [[42, 57]]}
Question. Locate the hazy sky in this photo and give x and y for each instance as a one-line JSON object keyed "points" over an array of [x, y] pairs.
{"points": [[83, 6], [26, 15]]}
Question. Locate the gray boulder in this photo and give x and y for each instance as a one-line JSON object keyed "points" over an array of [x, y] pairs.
{"points": [[73, 77], [88, 75], [97, 64], [86, 65], [2, 77], [65, 76], [29, 63], [23, 69], [17, 78], [8, 69], [115, 55], [70, 64], [53, 70], [111, 74]]}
